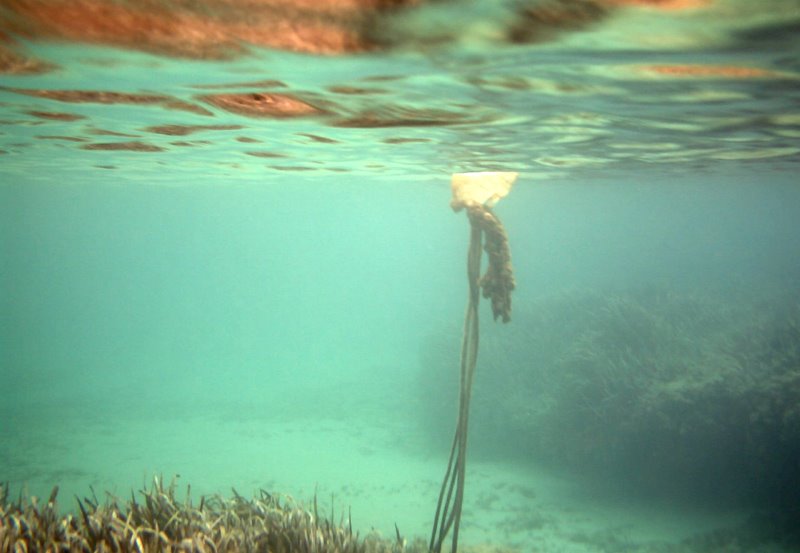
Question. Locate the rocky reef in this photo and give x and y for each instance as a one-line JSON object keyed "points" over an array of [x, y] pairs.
{"points": [[664, 392]]}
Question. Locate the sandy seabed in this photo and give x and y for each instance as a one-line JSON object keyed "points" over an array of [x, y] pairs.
{"points": [[372, 467]]}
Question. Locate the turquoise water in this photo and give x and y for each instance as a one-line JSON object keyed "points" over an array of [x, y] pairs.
{"points": [[277, 303]]}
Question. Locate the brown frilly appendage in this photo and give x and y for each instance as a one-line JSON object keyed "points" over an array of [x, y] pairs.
{"points": [[498, 281]]}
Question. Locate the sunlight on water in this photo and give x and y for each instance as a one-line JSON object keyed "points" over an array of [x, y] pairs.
{"points": [[720, 93]]}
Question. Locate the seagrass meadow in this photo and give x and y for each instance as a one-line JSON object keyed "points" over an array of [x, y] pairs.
{"points": [[158, 521]]}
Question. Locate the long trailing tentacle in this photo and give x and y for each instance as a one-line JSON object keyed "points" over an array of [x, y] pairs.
{"points": [[496, 284], [448, 515]]}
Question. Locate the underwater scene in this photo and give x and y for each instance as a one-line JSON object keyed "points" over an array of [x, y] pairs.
{"points": [[386, 276]]}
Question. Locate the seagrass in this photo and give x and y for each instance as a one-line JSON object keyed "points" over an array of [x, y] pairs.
{"points": [[159, 521]]}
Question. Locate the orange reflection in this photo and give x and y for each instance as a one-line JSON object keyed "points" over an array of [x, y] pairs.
{"points": [[214, 29], [662, 4], [710, 71]]}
